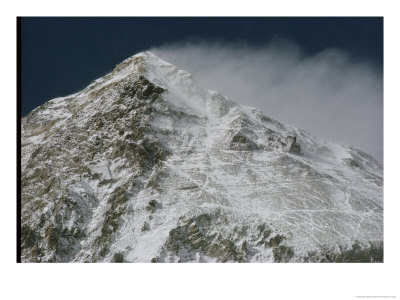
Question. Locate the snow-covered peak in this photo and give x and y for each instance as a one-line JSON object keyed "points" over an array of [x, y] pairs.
{"points": [[158, 72], [182, 89], [146, 165]]}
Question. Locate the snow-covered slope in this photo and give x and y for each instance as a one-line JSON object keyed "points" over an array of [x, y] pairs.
{"points": [[145, 165]]}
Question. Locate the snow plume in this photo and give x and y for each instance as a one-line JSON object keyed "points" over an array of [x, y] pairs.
{"points": [[327, 94]]}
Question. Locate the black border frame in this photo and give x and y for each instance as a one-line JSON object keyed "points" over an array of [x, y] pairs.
{"points": [[19, 139]]}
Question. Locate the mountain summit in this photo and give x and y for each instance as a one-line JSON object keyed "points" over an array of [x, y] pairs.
{"points": [[144, 165]]}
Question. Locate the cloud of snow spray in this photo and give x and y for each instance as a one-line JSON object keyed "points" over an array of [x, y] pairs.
{"points": [[326, 94]]}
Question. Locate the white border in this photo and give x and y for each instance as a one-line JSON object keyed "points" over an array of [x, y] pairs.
{"points": [[148, 281]]}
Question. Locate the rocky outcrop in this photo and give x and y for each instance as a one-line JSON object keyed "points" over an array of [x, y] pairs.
{"points": [[292, 145], [241, 143]]}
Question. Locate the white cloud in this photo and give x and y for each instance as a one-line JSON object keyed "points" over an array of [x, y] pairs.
{"points": [[327, 94]]}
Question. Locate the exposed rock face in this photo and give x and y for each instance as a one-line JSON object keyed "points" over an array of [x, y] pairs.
{"points": [[241, 143], [292, 146], [146, 166], [206, 233]]}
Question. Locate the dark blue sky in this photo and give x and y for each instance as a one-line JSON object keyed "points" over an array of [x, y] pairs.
{"points": [[61, 56]]}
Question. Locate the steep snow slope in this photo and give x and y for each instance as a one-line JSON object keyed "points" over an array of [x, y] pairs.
{"points": [[145, 165]]}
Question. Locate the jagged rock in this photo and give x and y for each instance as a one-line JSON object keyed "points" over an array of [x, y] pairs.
{"points": [[197, 234], [152, 206], [283, 254], [352, 163], [241, 143], [145, 226], [292, 145], [118, 258]]}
